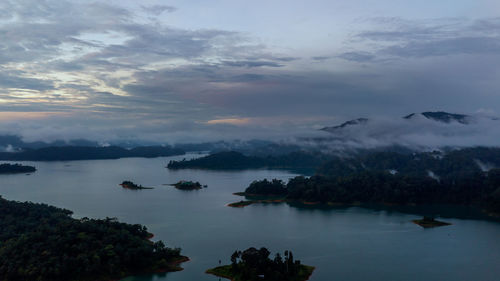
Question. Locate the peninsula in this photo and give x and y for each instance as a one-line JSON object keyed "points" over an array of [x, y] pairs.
{"points": [[16, 168], [44, 243], [255, 264], [457, 177]]}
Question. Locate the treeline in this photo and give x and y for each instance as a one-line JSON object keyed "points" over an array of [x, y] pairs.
{"points": [[16, 168], [231, 160], [40, 242], [255, 264], [66, 153], [458, 177]]}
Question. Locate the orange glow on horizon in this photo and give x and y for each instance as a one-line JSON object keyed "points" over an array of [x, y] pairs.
{"points": [[16, 115]]}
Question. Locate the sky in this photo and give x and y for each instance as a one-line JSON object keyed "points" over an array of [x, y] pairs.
{"points": [[191, 70]]}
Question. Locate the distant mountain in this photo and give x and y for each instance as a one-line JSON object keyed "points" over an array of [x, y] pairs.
{"points": [[442, 116], [359, 121], [67, 153], [13, 142], [438, 116]]}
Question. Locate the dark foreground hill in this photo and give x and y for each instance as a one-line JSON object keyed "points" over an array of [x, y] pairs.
{"points": [[44, 243]]}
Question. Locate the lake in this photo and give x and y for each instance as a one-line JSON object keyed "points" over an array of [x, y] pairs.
{"points": [[349, 243]]}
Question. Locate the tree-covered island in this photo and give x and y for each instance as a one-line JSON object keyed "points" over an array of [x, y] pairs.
{"points": [[428, 222], [131, 185], [255, 264], [16, 168], [44, 243], [188, 185]]}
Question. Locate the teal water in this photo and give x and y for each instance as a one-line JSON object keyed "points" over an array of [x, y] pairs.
{"points": [[343, 243]]}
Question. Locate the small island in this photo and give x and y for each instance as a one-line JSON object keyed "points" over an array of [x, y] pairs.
{"points": [[428, 222], [15, 169], [188, 185], [264, 191], [254, 264], [131, 185]]}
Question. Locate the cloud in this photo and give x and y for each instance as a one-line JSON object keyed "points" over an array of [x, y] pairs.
{"points": [[357, 56], [125, 72], [417, 133], [442, 37], [157, 10]]}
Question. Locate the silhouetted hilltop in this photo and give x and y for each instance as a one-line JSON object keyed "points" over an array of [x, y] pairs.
{"points": [[442, 116], [232, 160], [66, 153], [438, 116]]}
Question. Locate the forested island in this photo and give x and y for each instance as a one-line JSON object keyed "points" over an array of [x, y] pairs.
{"points": [[131, 185], [187, 185], [460, 177], [16, 168], [232, 160], [255, 264], [68, 153], [44, 243], [428, 222]]}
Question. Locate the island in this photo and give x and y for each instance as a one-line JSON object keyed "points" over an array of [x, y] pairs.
{"points": [[255, 264], [131, 185], [188, 185], [16, 168], [428, 222], [44, 243]]}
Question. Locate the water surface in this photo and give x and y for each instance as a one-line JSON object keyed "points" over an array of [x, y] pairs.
{"points": [[349, 243]]}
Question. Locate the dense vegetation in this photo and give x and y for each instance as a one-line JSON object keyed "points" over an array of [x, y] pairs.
{"points": [[131, 185], [40, 242], [66, 153], [265, 187], [253, 264], [15, 168], [187, 185], [465, 177], [231, 160]]}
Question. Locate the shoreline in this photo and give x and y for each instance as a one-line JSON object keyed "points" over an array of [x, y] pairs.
{"points": [[173, 266], [481, 212], [216, 272]]}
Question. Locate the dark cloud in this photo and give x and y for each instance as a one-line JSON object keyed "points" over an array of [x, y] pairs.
{"points": [[19, 82], [250, 64], [454, 46], [158, 9], [445, 37], [321, 58], [357, 56]]}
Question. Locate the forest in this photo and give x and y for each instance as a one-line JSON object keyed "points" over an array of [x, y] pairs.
{"points": [[16, 168], [232, 160], [39, 242], [255, 264], [67, 153], [462, 177]]}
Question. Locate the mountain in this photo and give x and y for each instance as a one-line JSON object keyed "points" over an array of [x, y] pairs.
{"points": [[359, 121], [442, 116], [438, 116]]}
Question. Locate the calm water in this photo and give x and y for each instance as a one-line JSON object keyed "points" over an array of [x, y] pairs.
{"points": [[344, 244]]}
